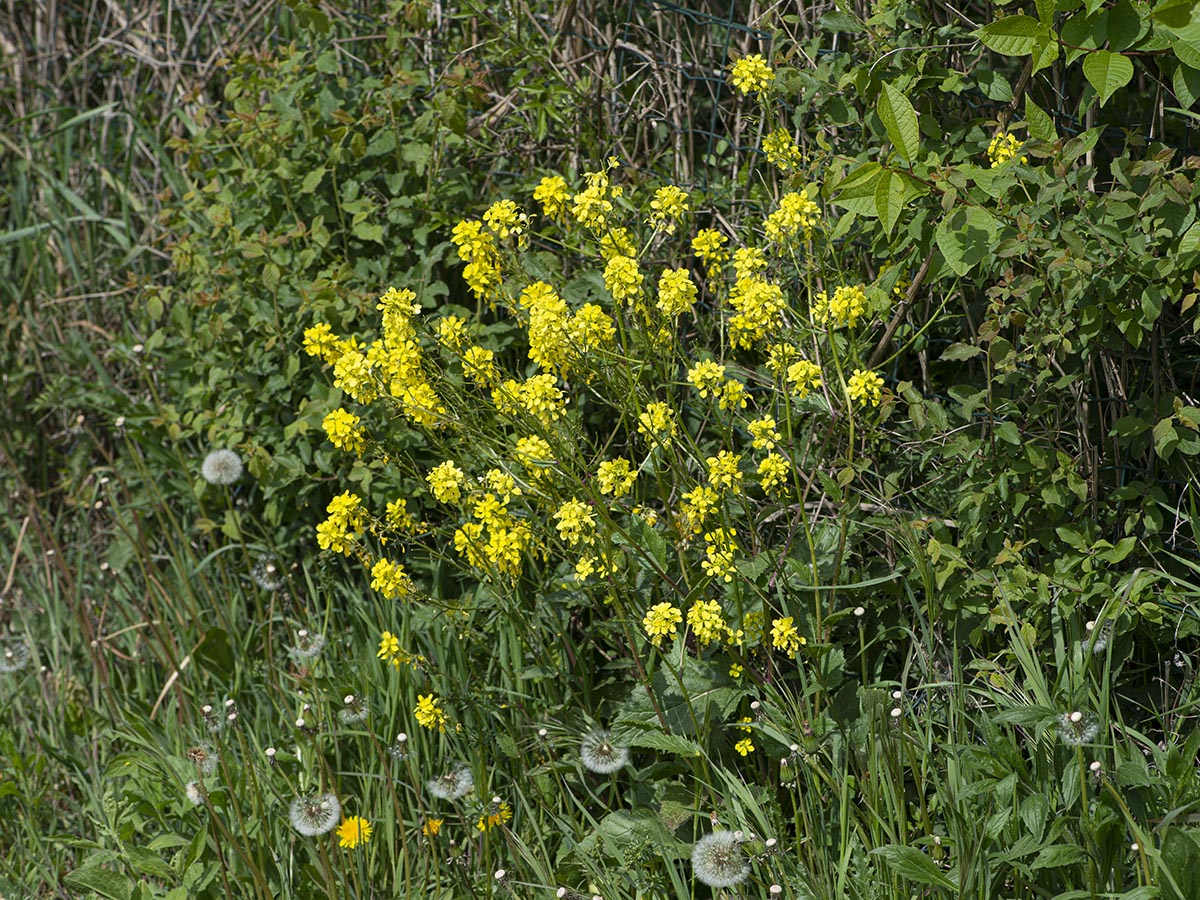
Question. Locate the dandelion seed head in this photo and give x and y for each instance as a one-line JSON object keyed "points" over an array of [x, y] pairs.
{"points": [[13, 658], [221, 467], [717, 859], [308, 646], [1077, 728], [600, 754], [194, 792], [266, 574], [204, 757], [315, 815], [455, 784]]}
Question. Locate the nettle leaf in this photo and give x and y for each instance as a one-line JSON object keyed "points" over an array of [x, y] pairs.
{"points": [[900, 120], [1013, 35], [1107, 72], [1041, 126]]}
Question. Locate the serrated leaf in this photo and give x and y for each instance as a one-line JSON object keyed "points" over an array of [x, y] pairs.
{"points": [[657, 740], [1107, 72], [900, 120], [1041, 126], [1013, 35], [913, 865]]}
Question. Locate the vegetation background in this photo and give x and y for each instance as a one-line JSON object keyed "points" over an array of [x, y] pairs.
{"points": [[1006, 537]]}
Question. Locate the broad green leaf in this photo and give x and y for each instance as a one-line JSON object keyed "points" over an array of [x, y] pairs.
{"points": [[1107, 72], [1190, 242], [1045, 53], [856, 192], [1008, 432], [1013, 35], [1188, 52], [1186, 82], [966, 238], [900, 120], [1041, 126], [960, 351], [658, 740], [889, 199], [1123, 26], [368, 231], [1058, 855], [1045, 11], [1176, 13], [104, 882], [913, 865]]}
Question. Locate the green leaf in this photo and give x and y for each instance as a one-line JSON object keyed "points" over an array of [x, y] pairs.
{"points": [[1041, 126], [1107, 72], [900, 120], [966, 238], [104, 882], [856, 192], [657, 740], [1013, 35], [1123, 26], [889, 199], [912, 864], [1186, 82], [1176, 13], [958, 352], [1058, 855], [1009, 433], [312, 180], [368, 231]]}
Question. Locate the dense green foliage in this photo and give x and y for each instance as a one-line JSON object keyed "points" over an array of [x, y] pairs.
{"points": [[901, 579]]}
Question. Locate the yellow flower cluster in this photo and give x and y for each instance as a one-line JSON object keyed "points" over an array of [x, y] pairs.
{"points": [[553, 194], [782, 151], [720, 547], [706, 377], [707, 622], [320, 341], [451, 332], [506, 220], [773, 473], [724, 472], [616, 477], [796, 213], [785, 637], [557, 339], [763, 432], [576, 523], [398, 518], [340, 530], [803, 376], [539, 396], [751, 74], [592, 206], [394, 655], [390, 580], [661, 621], [759, 306], [709, 247], [622, 278], [676, 292], [479, 366], [657, 422], [748, 261], [496, 813], [1004, 147], [477, 248], [733, 395], [698, 504], [446, 482], [865, 387], [843, 309], [429, 713], [343, 431], [667, 207]]}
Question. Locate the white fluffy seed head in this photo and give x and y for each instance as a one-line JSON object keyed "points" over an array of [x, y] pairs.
{"points": [[717, 859]]}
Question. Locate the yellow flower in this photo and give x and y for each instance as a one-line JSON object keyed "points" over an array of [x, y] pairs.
{"points": [[660, 622], [865, 387], [346, 517], [668, 205], [497, 813], [796, 213], [733, 395], [803, 376], [432, 827], [390, 580], [451, 331], [343, 431], [622, 278], [1004, 147], [751, 74], [719, 549], [745, 746], [782, 151], [773, 472], [709, 247], [707, 622], [353, 374], [759, 304], [321, 341], [353, 831], [724, 473], [785, 637], [845, 308], [615, 476], [446, 481], [389, 646], [576, 522], [478, 365], [505, 219], [764, 434], [552, 193], [696, 507], [736, 670], [429, 714], [657, 422], [676, 292]]}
